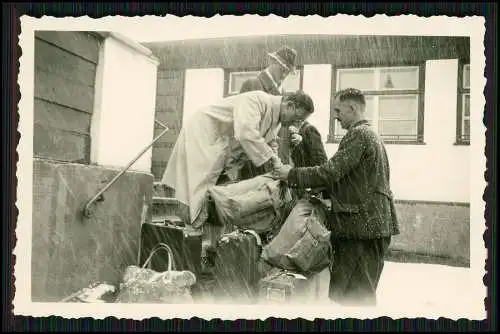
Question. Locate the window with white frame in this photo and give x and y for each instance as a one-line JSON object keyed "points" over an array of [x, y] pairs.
{"points": [[236, 79], [463, 112], [392, 101]]}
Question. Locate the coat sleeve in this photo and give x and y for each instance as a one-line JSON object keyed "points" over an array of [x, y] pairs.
{"points": [[344, 160], [274, 145], [314, 145], [247, 118]]}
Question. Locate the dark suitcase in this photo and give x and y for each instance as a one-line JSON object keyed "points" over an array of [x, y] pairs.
{"points": [[185, 243], [203, 289], [236, 267]]}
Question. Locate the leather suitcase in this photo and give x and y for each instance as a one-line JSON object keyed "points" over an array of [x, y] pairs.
{"points": [[184, 241], [236, 268], [203, 290]]}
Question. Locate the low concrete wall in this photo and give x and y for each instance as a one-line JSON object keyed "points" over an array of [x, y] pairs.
{"points": [[70, 252], [439, 230]]}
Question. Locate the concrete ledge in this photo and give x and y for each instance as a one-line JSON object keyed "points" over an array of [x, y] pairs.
{"points": [[69, 251], [406, 257], [439, 230]]}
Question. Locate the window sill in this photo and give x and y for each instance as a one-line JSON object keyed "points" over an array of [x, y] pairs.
{"points": [[386, 142], [462, 143], [391, 142], [332, 139]]}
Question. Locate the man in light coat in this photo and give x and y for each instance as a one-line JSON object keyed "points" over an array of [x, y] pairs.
{"points": [[270, 80], [217, 139]]}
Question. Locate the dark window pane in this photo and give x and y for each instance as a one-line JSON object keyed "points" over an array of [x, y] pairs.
{"points": [[466, 78], [466, 105], [237, 79], [466, 133]]}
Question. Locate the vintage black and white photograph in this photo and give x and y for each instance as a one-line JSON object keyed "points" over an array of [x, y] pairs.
{"points": [[252, 166]]}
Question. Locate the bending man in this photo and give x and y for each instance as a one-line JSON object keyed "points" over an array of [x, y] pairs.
{"points": [[216, 140]]}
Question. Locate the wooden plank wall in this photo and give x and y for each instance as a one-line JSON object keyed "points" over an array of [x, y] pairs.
{"points": [[169, 105], [341, 51], [65, 70], [249, 53]]}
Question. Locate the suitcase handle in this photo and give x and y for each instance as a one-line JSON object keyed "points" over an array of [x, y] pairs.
{"points": [[288, 273], [155, 250]]}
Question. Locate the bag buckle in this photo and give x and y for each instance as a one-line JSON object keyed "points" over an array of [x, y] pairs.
{"points": [[275, 294]]}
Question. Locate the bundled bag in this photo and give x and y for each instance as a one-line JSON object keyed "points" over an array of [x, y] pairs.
{"points": [[252, 204], [303, 242], [144, 285]]}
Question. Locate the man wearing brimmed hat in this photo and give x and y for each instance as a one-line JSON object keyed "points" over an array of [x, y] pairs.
{"points": [[281, 64]]}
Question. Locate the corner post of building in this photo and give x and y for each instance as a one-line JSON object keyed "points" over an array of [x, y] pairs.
{"points": [[122, 128]]}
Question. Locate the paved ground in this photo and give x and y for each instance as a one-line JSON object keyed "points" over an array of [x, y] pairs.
{"points": [[410, 290], [439, 289]]}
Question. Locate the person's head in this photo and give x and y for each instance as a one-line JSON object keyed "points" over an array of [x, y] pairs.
{"points": [[295, 108], [349, 106], [282, 63]]}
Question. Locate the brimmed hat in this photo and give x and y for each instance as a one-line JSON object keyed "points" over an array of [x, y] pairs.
{"points": [[285, 56]]}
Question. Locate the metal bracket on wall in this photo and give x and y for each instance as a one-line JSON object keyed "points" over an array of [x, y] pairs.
{"points": [[87, 211]]}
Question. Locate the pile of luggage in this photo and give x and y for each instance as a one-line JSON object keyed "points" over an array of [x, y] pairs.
{"points": [[260, 245]]}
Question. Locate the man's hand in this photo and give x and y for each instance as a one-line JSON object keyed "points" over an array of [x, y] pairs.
{"points": [[274, 146], [276, 161], [295, 139], [293, 130], [281, 173]]}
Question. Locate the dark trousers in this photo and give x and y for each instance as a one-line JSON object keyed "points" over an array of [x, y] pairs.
{"points": [[356, 269]]}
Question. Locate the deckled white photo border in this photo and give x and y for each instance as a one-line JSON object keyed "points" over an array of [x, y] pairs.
{"points": [[168, 27]]}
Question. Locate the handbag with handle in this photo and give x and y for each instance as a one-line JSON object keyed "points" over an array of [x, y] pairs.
{"points": [[303, 242], [144, 285]]}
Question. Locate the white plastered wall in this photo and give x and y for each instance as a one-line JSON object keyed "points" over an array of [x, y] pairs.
{"points": [[124, 106]]}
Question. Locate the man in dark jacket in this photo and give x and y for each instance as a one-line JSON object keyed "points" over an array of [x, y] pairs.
{"points": [[362, 216], [281, 64], [307, 150]]}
